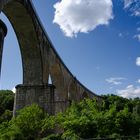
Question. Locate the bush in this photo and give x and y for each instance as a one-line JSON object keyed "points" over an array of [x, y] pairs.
{"points": [[6, 116], [27, 125], [53, 137], [113, 118], [6, 101]]}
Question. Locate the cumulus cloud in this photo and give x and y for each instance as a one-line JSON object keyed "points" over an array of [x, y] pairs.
{"points": [[133, 6], [115, 80], [138, 80], [75, 16], [129, 92], [138, 61], [127, 3], [137, 37]]}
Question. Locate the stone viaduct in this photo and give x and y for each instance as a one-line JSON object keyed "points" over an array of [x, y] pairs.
{"points": [[39, 60]]}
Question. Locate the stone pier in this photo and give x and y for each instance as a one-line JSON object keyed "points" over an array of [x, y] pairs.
{"points": [[43, 95]]}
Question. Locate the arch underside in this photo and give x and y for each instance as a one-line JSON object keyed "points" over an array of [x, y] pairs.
{"points": [[26, 35], [39, 57]]}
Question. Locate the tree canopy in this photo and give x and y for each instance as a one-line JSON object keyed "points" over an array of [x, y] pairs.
{"points": [[113, 118], [6, 105]]}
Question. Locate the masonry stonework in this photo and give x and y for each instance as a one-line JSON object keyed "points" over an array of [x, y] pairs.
{"points": [[43, 95], [40, 60]]}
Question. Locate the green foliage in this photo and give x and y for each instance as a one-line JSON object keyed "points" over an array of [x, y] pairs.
{"points": [[113, 118], [70, 135], [89, 119], [26, 125], [8, 131], [29, 121], [6, 116], [6, 105], [79, 119], [53, 137], [6, 100]]}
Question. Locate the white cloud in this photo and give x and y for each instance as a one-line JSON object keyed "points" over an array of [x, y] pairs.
{"points": [[137, 36], [75, 16], [133, 6], [115, 80], [138, 80], [129, 92], [127, 3], [137, 12], [138, 61]]}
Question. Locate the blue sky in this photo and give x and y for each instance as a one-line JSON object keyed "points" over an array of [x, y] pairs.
{"points": [[98, 40]]}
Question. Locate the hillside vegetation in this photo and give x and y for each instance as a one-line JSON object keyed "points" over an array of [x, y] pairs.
{"points": [[113, 118], [6, 105]]}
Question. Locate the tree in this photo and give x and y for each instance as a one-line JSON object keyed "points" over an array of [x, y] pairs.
{"points": [[6, 100], [6, 105], [113, 118], [26, 125]]}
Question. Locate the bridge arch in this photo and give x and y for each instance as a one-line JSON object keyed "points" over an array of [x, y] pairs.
{"points": [[72, 90], [57, 80], [11, 70], [84, 95], [39, 59], [28, 41]]}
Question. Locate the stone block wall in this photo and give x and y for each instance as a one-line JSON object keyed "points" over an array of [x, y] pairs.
{"points": [[43, 95]]}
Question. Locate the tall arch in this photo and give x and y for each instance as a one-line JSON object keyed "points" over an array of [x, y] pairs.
{"points": [[84, 95], [72, 90], [11, 70], [39, 59], [57, 80], [34, 88], [28, 41]]}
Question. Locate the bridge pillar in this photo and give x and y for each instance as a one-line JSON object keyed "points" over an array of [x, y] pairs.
{"points": [[43, 95], [3, 32]]}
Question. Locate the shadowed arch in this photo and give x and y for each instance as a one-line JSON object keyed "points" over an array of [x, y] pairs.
{"points": [[85, 95], [58, 81], [72, 91], [28, 41]]}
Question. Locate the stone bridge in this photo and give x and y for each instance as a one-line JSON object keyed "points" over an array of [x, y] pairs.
{"points": [[39, 60]]}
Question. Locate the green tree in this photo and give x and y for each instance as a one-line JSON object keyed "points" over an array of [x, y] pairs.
{"points": [[114, 117], [26, 125], [6, 101], [6, 105], [6, 116]]}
